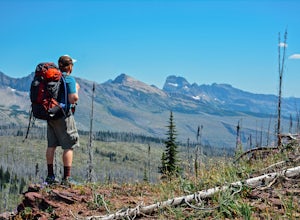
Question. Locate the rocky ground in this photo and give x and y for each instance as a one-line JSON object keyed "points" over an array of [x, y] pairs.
{"points": [[275, 199], [78, 202], [281, 199]]}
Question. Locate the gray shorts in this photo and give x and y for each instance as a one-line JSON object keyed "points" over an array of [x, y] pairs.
{"points": [[62, 132]]}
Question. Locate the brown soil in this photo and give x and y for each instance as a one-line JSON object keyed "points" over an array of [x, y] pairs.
{"points": [[59, 202], [79, 202]]}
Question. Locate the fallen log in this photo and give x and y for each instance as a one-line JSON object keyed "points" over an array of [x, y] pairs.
{"points": [[252, 182]]}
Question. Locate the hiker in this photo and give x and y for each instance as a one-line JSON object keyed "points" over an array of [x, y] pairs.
{"points": [[62, 131]]}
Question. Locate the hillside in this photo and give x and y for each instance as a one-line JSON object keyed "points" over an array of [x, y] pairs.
{"points": [[273, 197], [127, 104]]}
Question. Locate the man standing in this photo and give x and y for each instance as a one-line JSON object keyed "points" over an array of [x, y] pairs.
{"points": [[62, 131]]}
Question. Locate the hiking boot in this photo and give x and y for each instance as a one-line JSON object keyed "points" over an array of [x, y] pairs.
{"points": [[50, 180], [69, 181]]}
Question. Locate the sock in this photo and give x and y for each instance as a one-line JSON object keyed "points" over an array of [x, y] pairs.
{"points": [[50, 170], [67, 172]]}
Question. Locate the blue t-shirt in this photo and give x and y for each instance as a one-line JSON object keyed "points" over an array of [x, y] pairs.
{"points": [[71, 84], [71, 89]]}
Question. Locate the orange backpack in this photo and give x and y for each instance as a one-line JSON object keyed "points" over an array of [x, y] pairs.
{"points": [[48, 92]]}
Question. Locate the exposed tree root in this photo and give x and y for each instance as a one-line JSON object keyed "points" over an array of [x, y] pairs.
{"points": [[291, 137], [259, 149]]}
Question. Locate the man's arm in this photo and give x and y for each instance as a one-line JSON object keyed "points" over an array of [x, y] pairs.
{"points": [[73, 97]]}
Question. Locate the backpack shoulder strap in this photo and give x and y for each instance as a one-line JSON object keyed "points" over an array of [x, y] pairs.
{"points": [[65, 91]]}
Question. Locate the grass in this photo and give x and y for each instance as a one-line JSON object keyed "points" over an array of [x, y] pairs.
{"points": [[27, 159], [120, 181]]}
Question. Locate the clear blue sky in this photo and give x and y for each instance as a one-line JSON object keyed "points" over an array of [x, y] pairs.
{"points": [[233, 42]]}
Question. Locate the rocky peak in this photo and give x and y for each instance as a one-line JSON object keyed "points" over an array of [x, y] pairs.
{"points": [[176, 83], [122, 79], [130, 82]]}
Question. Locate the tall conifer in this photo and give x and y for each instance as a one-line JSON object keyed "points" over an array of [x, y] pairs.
{"points": [[169, 158]]}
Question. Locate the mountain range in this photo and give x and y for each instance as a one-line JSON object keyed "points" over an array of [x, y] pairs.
{"points": [[125, 104]]}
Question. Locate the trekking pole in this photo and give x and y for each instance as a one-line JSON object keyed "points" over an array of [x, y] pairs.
{"points": [[27, 132]]}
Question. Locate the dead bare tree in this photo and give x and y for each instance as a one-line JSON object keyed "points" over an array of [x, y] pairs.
{"points": [[189, 157], [297, 129], [250, 141], [198, 150], [298, 123], [268, 134], [280, 69], [261, 134], [149, 162], [90, 150], [291, 124], [238, 145]]}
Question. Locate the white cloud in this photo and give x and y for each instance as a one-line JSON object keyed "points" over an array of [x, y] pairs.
{"points": [[295, 56], [283, 44]]}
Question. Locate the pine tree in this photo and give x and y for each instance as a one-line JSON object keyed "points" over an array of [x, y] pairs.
{"points": [[163, 168], [169, 158]]}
